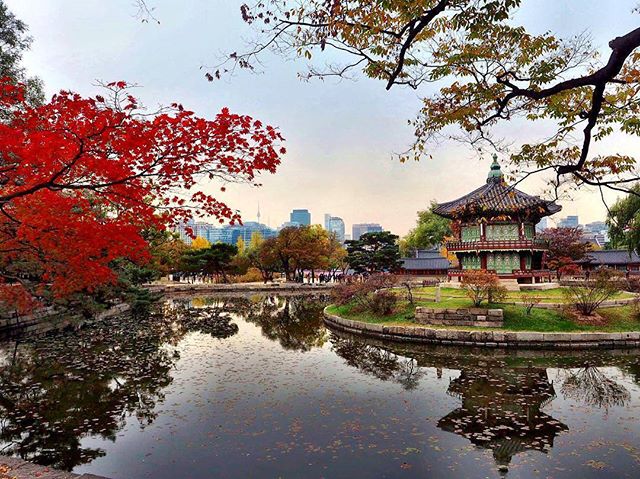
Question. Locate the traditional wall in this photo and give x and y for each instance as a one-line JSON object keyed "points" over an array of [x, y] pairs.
{"points": [[481, 317]]}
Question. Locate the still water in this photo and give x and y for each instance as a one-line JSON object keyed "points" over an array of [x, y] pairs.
{"points": [[257, 387]]}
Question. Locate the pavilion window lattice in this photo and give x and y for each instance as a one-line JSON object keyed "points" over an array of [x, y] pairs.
{"points": [[471, 233], [471, 262], [502, 232], [503, 263]]}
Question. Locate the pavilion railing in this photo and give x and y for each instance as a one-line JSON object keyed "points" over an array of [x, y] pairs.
{"points": [[535, 243]]}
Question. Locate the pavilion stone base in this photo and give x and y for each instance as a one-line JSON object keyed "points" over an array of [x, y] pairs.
{"points": [[481, 317]]}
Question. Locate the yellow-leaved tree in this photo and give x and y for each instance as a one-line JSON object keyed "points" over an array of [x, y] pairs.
{"points": [[200, 243]]}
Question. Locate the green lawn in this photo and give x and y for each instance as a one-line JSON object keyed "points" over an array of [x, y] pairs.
{"points": [[515, 317], [556, 295]]}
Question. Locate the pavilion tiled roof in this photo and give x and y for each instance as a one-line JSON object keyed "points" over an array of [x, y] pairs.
{"points": [[424, 259], [411, 264], [496, 198], [611, 257]]}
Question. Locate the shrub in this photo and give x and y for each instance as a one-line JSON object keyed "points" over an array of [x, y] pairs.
{"points": [[253, 275], [530, 302], [633, 284], [344, 293], [497, 294], [362, 293], [480, 285], [383, 303], [588, 295]]}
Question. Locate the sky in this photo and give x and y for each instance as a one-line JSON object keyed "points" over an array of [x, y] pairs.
{"points": [[340, 135]]}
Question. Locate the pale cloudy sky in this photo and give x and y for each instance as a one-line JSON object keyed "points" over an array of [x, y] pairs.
{"points": [[340, 135]]}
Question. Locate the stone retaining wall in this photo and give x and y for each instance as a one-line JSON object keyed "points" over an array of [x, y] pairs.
{"points": [[14, 468], [480, 317], [486, 338], [47, 319]]}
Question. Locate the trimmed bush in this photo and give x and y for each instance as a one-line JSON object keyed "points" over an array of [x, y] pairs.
{"points": [[383, 303]]}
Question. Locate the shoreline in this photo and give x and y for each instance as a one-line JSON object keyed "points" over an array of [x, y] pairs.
{"points": [[485, 338]]}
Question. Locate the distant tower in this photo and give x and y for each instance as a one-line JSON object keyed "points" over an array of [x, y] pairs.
{"points": [[258, 212]]}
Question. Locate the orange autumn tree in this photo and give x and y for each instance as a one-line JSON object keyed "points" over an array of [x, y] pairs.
{"points": [[82, 180], [481, 285]]}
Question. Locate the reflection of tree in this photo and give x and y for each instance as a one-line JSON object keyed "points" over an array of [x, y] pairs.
{"points": [[503, 393], [296, 322], [204, 318], [57, 390], [378, 362], [501, 410], [633, 369], [593, 387]]}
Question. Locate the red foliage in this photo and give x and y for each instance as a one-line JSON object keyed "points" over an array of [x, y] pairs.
{"points": [[83, 179], [565, 248]]}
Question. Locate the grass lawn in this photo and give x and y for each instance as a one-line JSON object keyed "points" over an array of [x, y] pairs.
{"points": [[556, 295], [515, 317]]}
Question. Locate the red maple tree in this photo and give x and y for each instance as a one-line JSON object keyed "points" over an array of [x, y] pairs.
{"points": [[81, 179], [565, 248]]}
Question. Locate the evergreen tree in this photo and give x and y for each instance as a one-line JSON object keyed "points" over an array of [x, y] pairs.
{"points": [[374, 253]]}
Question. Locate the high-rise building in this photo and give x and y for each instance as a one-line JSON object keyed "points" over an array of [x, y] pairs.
{"points": [[226, 234], [327, 221], [569, 222], [596, 227], [181, 229], [302, 217], [359, 229], [198, 228], [335, 225], [246, 230]]}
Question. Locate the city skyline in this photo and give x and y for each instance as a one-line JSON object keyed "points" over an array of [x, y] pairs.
{"points": [[355, 173], [555, 221]]}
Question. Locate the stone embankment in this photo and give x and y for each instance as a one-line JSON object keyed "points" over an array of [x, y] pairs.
{"points": [[48, 319], [485, 338], [480, 317], [14, 468]]}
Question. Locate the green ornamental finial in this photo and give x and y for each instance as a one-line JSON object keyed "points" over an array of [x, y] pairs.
{"points": [[495, 174]]}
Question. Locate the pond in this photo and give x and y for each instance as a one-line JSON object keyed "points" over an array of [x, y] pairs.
{"points": [[257, 387]]}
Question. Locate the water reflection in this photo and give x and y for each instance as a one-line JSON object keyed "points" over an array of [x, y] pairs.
{"points": [[501, 410], [294, 321], [502, 397], [378, 362], [65, 400], [55, 391], [591, 386]]}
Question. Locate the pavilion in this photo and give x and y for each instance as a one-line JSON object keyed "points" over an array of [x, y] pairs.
{"points": [[495, 229]]}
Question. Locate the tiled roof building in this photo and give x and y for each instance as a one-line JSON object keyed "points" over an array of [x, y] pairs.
{"points": [[495, 229]]}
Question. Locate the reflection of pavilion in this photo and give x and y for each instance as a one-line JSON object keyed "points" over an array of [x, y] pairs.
{"points": [[502, 392], [501, 411]]}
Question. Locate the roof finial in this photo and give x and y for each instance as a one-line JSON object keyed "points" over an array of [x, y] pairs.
{"points": [[495, 174]]}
